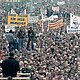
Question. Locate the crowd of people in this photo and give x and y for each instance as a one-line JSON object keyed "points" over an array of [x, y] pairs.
{"points": [[55, 55], [51, 55]]}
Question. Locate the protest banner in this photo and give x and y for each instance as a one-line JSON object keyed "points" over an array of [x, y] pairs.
{"points": [[17, 20], [56, 24], [74, 24]]}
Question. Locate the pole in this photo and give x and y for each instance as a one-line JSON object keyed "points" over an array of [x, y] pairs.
{"points": [[42, 23]]}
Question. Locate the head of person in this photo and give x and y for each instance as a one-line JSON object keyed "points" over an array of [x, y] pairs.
{"points": [[11, 54], [9, 78], [10, 31], [21, 28], [30, 28]]}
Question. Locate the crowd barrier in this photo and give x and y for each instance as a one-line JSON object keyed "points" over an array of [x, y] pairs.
{"points": [[20, 74], [16, 78]]}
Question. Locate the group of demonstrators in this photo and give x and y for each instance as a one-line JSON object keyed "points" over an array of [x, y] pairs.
{"points": [[17, 39], [53, 57]]}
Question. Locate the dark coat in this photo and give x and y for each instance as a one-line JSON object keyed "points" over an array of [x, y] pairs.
{"points": [[31, 34], [21, 34], [10, 67]]}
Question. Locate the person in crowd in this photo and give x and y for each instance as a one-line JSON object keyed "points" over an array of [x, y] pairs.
{"points": [[11, 40], [20, 36], [52, 59], [0, 53], [31, 36], [10, 66]]}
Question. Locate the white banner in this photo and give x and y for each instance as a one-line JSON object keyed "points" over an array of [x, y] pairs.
{"points": [[51, 18], [33, 19], [55, 8], [7, 28], [44, 11], [74, 24], [61, 3]]}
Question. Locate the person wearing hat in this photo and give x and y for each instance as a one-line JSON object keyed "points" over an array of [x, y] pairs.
{"points": [[10, 66]]}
